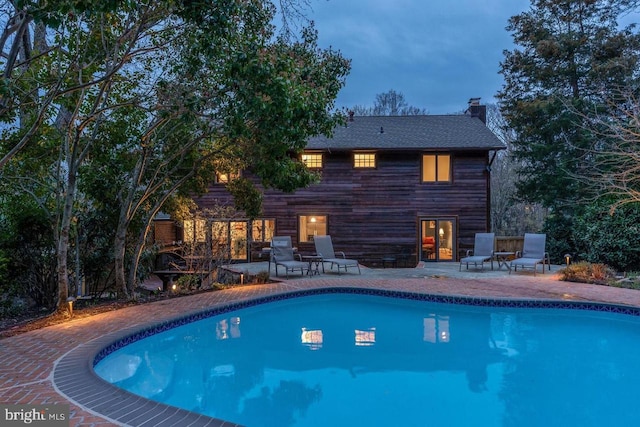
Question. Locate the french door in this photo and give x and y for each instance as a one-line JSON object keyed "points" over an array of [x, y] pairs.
{"points": [[438, 239]]}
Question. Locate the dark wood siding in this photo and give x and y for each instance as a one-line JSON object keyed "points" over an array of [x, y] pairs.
{"points": [[374, 212]]}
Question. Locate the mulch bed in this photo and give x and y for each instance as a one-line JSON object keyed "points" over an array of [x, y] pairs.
{"points": [[36, 319]]}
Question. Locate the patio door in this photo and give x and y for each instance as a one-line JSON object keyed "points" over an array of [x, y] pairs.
{"points": [[239, 233], [229, 240], [437, 239]]}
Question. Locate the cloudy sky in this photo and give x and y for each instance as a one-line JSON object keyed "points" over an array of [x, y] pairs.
{"points": [[438, 53]]}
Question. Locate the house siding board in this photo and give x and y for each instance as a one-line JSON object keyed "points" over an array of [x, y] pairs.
{"points": [[373, 212]]}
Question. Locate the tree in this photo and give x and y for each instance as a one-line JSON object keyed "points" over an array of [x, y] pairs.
{"points": [[569, 53], [569, 56], [615, 152], [149, 96], [389, 103], [509, 216]]}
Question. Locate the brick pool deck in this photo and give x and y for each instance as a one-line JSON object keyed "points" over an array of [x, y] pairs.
{"points": [[28, 360]]}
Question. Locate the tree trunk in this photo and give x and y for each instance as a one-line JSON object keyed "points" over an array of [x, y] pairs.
{"points": [[63, 240], [119, 252], [137, 253]]}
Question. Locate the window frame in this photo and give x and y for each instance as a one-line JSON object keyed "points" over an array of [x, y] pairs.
{"points": [[194, 230], [264, 238], [365, 162], [303, 234], [231, 176], [436, 172], [316, 164]]}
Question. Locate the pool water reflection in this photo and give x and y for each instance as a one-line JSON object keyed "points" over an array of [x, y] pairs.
{"points": [[344, 359]]}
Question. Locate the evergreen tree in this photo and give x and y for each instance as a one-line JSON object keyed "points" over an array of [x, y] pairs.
{"points": [[569, 56]]}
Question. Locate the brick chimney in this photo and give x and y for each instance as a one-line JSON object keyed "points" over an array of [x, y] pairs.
{"points": [[477, 110]]}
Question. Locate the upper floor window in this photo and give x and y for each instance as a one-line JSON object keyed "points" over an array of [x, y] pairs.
{"points": [[436, 168], [364, 160], [226, 177], [311, 226], [312, 160]]}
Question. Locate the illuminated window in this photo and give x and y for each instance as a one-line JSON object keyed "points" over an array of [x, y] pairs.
{"points": [[194, 230], [263, 230], [436, 168], [312, 225], [366, 337], [226, 177], [312, 160], [220, 239], [364, 160], [311, 338]]}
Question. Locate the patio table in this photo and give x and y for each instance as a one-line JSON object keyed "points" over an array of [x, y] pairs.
{"points": [[503, 259]]}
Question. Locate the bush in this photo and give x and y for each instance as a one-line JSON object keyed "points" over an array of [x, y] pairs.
{"points": [[262, 277], [187, 282], [559, 230], [28, 260], [586, 272], [609, 238]]}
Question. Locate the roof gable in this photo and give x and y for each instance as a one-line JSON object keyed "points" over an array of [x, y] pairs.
{"points": [[449, 132]]}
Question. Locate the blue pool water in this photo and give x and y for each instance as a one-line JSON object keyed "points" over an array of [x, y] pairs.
{"points": [[345, 360]]}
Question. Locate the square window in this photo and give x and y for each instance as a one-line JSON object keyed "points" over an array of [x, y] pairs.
{"points": [[311, 226], [194, 230], [364, 160], [312, 160], [263, 230], [226, 177], [436, 168]]}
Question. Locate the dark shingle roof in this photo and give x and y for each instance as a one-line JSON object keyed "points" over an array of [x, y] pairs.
{"points": [[448, 132]]}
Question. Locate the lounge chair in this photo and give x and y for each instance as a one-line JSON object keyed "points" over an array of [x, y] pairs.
{"points": [[324, 249], [280, 241], [533, 253], [482, 251], [282, 254]]}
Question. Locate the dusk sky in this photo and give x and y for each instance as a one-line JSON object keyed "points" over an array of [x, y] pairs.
{"points": [[438, 53]]}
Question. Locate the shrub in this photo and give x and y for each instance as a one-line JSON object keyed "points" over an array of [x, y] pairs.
{"points": [[559, 230], [586, 272], [609, 238], [261, 277], [187, 282]]}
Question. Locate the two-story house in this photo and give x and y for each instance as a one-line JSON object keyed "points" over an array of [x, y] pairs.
{"points": [[417, 186]]}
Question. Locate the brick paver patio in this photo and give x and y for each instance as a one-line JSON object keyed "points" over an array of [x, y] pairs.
{"points": [[28, 360]]}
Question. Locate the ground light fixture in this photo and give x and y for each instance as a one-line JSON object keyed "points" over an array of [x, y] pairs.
{"points": [[70, 302], [567, 259]]}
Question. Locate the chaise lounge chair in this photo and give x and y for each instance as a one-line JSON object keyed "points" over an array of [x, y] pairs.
{"points": [[482, 251], [533, 253], [282, 255], [324, 249]]}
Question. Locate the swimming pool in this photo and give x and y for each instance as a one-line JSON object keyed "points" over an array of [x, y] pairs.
{"points": [[344, 359]]}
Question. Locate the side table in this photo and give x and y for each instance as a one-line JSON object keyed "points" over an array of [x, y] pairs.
{"points": [[314, 264], [503, 259]]}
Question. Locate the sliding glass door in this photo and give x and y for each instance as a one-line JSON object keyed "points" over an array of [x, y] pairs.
{"points": [[438, 239]]}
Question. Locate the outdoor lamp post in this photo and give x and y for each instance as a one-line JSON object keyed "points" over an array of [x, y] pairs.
{"points": [[567, 259], [70, 302]]}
